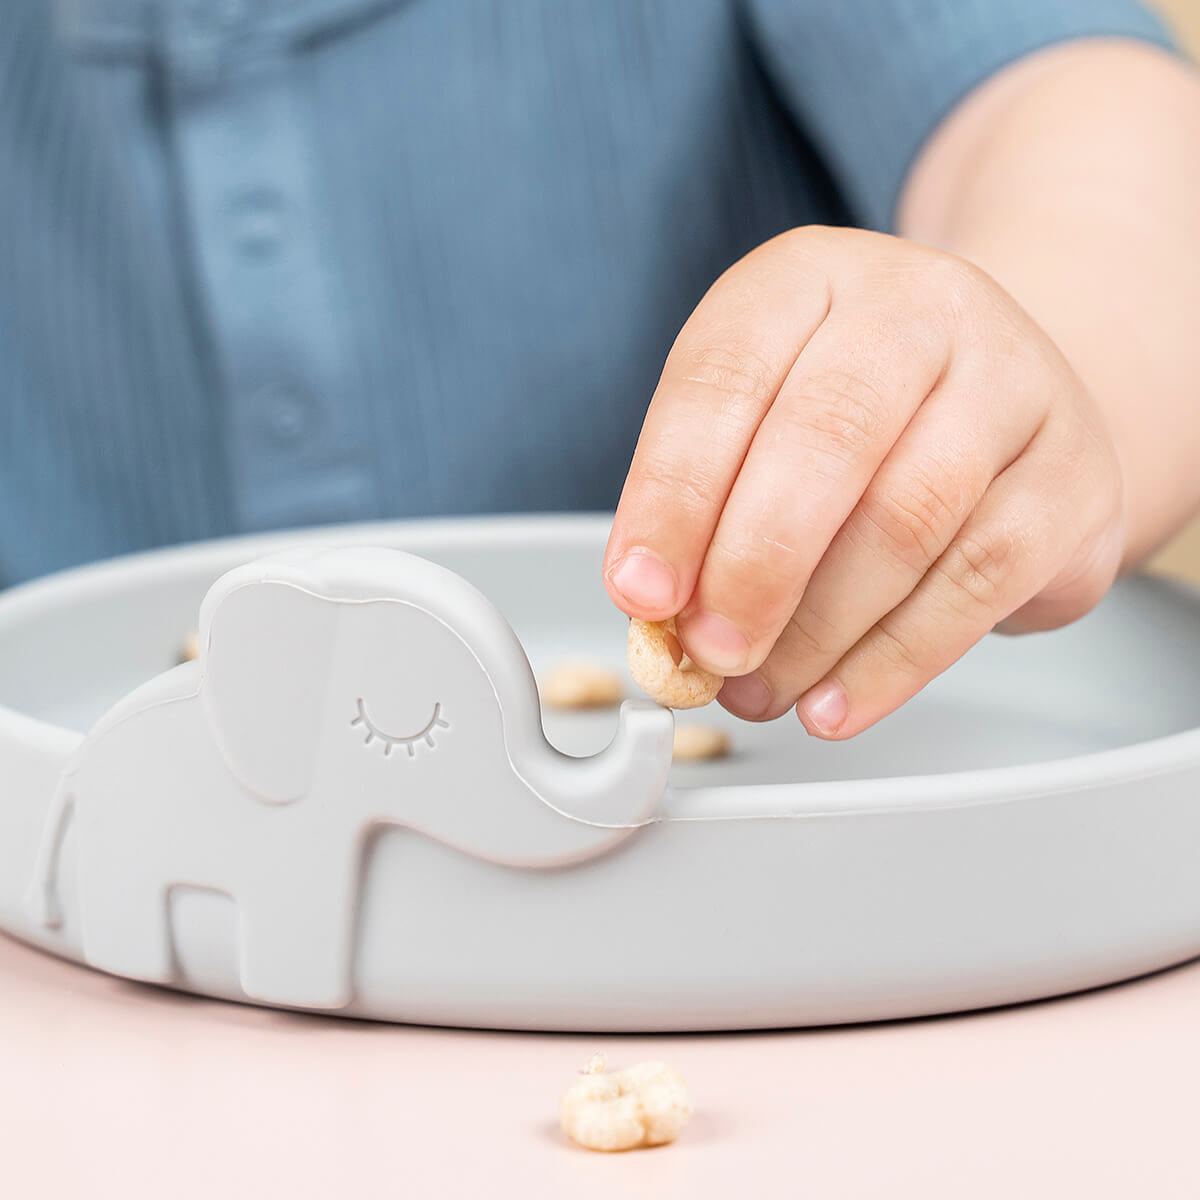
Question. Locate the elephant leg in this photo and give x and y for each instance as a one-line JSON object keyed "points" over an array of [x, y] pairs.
{"points": [[297, 942], [126, 928]]}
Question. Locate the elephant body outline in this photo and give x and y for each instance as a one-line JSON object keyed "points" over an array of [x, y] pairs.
{"points": [[296, 941]]}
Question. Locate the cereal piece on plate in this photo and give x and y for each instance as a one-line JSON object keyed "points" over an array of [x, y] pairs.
{"points": [[662, 670], [581, 683], [696, 742], [645, 1105]]}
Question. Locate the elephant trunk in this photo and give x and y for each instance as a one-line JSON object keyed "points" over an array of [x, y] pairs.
{"points": [[616, 790]]}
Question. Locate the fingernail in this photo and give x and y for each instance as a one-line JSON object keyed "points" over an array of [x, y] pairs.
{"points": [[823, 708], [746, 695], [644, 580], [714, 642]]}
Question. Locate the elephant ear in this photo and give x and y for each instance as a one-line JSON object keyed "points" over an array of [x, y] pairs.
{"points": [[265, 648]]}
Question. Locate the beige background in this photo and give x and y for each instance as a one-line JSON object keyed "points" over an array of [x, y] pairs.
{"points": [[1184, 16], [1182, 556]]}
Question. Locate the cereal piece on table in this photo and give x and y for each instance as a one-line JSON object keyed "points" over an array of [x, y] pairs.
{"points": [[696, 742], [191, 647], [581, 683], [662, 670], [645, 1105]]}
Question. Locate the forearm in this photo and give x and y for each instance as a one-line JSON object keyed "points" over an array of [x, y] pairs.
{"points": [[1073, 178]]}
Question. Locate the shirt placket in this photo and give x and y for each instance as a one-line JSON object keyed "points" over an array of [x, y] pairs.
{"points": [[252, 213]]}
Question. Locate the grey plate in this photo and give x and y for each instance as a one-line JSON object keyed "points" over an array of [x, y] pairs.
{"points": [[1024, 827]]}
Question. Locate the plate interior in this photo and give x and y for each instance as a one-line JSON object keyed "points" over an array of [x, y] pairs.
{"points": [[1125, 673]]}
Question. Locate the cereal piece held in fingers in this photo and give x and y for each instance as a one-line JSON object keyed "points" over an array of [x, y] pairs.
{"points": [[662, 670], [694, 743], [581, 683]]}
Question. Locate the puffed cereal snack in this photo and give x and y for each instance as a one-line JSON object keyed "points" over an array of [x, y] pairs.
{"points": [[645, 1105], [663, 671]]}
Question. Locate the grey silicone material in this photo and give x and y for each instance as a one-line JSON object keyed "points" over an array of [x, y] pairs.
{"points": [[1025, 827]]}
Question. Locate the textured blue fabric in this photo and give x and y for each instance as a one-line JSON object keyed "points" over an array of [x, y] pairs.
{"points": [[266, 263]]}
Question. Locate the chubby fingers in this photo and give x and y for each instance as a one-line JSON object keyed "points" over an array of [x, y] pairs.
{"points": [[719, 381], [916, 503], [1012, 549], [846, 400], [782, 396]]}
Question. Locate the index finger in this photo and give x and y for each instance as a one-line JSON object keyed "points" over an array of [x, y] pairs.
{"points": [[720, 378]]}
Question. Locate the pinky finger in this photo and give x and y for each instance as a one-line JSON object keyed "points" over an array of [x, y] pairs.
{"points": [[1012, 548]]}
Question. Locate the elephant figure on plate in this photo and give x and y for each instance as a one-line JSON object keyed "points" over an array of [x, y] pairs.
{"points": [[336, 692]]}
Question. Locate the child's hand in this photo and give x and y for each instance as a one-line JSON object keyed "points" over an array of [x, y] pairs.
{"points": [[862, 455]]}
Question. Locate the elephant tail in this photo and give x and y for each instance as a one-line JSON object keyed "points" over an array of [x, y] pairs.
{"points": [[42, 900]]}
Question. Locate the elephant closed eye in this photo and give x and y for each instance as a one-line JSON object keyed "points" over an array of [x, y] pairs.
{"points": [[389, 740]]}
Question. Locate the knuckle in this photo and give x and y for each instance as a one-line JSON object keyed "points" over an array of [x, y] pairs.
{"points": [[805, 252], [809, 636], [842, 415], [949, 275], [895, 650], [805, 240], [944, 270], [956, 286], [914, 519], [978, 566], [740, 378], [770, 564], [685, 485]]}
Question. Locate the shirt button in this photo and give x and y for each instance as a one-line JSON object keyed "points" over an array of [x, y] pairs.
{"points": [[286, 412], [256, 220]]}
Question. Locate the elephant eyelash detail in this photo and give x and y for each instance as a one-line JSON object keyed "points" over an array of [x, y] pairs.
{"points": [[389, 741]]}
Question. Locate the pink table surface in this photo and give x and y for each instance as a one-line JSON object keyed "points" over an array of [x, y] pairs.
{"points": [[113, 1089]]}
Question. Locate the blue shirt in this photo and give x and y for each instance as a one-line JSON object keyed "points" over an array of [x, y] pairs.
{"points": [[273, 262]]}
